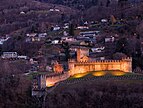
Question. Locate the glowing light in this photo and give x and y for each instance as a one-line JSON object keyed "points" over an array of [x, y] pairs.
{"points": [[118, 73], [80, 75], [98, 74], [50, 85]]}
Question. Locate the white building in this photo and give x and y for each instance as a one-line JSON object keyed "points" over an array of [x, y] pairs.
{"points": [[82, 27], [8, 55], [54, 10], [3, 39], [110, 39], [56, 28]]}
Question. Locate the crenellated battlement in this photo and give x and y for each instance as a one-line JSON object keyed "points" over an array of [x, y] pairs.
{"points": [[127, 58], [71, 60], [100, 61]]}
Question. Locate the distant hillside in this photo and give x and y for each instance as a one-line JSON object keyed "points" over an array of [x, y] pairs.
{"points": [[128, 11], [18, 14], [79, 4], [85, 4]]}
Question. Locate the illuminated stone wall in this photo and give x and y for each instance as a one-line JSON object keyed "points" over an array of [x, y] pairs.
{"points": [[52, 80], [82, 67], [88, 66], [83, 64], [58, 68]]}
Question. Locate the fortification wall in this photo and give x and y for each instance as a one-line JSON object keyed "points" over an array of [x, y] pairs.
{"points": [[82, 67], [51, 80]]}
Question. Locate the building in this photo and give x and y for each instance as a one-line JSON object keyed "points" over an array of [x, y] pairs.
{"points": [[109, 39], [9, 55], [89, 33], [35, 37], [84, 64], [4, 39]]}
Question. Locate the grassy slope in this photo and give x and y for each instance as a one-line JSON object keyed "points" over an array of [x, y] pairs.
{"points": [[102, 93]]}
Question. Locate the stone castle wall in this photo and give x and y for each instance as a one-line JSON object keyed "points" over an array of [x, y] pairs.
{"points": [[87, 66], [51, 80], [82, 67]]}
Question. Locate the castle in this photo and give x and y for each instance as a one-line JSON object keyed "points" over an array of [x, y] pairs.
{"points": [[83, 64]]}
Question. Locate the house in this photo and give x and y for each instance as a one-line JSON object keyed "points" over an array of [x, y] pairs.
{"points": [[31, 37], [82, 27], [48, 68], [85, 23], [33, 61], [3, 39], [31, 34], [57, 10], [56, 41], [109, 39], [54, 10], [89, 33], [56, 28], [65, 33], [22, 57], [42, 35], [98, 49], [34, 37], [68, 39], [104, 20], [9, 55], [66, 26], [51, 10]]}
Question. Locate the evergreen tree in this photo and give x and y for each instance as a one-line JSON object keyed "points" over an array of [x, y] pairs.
{"points": [[66, 48], [71, 30], [108, 3]]}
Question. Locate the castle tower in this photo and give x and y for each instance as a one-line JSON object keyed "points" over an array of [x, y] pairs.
{"points": [[82, 54], [71, 66], [128, 64]]}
